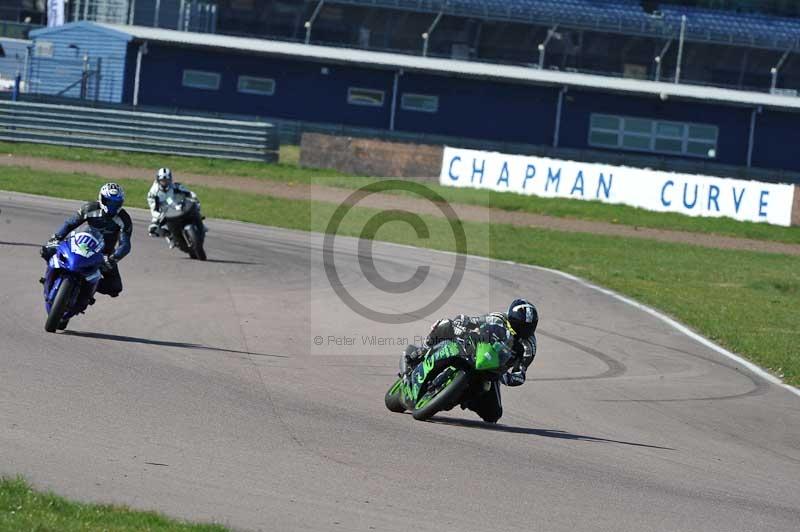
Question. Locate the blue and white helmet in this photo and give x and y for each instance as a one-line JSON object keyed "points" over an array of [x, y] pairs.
{"points": [[164, 178], [111, 198]]}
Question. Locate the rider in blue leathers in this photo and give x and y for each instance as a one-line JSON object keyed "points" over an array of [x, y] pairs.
{"points": [[107, 216]]}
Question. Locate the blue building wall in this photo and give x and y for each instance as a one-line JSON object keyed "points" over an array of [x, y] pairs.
{"points": [[106, 50], [14, 60], [304, 90], [733, 122], [480, 109], [777, 140]]}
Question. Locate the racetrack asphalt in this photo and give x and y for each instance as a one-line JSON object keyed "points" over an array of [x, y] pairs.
{"points": [[202, 393]]}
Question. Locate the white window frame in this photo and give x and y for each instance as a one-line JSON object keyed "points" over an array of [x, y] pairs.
{"points": [[684, 137], [365, 103], [254, 91], [406, 107], [190, 85]]}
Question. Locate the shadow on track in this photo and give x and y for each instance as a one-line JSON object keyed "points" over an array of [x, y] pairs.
{"points": [[164, 343], [21, 244], [544, 433], [220, 261]]}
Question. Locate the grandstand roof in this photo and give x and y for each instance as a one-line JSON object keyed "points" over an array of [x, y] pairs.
{"points": [[448, 66], [622, 16]]}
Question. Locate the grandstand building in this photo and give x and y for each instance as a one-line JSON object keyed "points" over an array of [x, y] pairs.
{"points": [[733, 43], [595, 80]]}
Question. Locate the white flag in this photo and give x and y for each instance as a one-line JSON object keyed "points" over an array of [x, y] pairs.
{"points": [[55, 12]]}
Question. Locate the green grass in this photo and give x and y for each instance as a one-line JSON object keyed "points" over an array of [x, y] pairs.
{"points": [[746, 301], [289, 171], [23, 508]]}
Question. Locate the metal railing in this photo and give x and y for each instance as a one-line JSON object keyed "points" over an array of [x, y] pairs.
{"points": [[137, 131]]}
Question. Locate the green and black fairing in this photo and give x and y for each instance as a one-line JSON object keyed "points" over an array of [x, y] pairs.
{"points": [[447, 354], [443, 362]]}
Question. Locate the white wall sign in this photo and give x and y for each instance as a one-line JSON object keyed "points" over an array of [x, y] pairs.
{"points": [[693, 195]]}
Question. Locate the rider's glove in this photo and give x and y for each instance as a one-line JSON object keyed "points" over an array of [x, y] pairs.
{"points": [[513, 378], [47, 250], [153, 229], [108, 263]]}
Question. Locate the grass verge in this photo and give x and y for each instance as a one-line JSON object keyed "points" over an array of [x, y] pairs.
{"points": [[746, 301], [290, 171], [23, 508]]}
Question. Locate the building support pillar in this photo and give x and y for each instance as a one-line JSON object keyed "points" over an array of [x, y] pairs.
{"points": [[395, 87], [751, 140], [559, 106], [138, 76]]}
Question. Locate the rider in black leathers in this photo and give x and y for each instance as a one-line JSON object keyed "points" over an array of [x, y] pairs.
{"points": [[520, 321]]}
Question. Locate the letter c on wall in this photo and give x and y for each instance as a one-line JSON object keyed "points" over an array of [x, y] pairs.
{"points": [[664, 201], [453, 162]]}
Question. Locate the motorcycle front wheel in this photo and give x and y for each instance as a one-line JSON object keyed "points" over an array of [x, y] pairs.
{"points": [[59, 306], [196, 250], [442, 395]]}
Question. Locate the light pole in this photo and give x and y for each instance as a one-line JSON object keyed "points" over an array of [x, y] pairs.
{"points": [[660, 57], [310, 22], [774, 70], [551, 33], [427, 35], [680, 49]]}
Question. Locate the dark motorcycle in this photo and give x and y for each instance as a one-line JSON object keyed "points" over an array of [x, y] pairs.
{"points": [[181, 223], [450, 373]]}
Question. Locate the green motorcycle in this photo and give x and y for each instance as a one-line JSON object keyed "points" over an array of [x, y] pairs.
{"points": [[451, 373]]}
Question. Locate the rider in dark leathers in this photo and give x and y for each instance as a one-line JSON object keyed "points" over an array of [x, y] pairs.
{"points": [[107, 216], [520, 322]]}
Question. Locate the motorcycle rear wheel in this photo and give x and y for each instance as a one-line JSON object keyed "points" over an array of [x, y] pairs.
{"points": [[59, 306], [393, 398]]}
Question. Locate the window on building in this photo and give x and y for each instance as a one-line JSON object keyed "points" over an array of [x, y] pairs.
{"points": [[657, 136], [357, 96], [201, 79], [419, 102], [254, 85]]}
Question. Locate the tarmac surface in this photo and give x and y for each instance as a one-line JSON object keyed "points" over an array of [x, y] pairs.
{"points": [[244, 391]]}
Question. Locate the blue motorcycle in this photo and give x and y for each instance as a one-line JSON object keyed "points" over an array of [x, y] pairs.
{"points": [[73, 272]]}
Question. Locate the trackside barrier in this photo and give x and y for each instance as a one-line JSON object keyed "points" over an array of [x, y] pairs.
{"points": [[67, 125]]}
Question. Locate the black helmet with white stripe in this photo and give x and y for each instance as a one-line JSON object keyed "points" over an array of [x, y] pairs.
{"points": [[523, 318], [164, 178]]}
